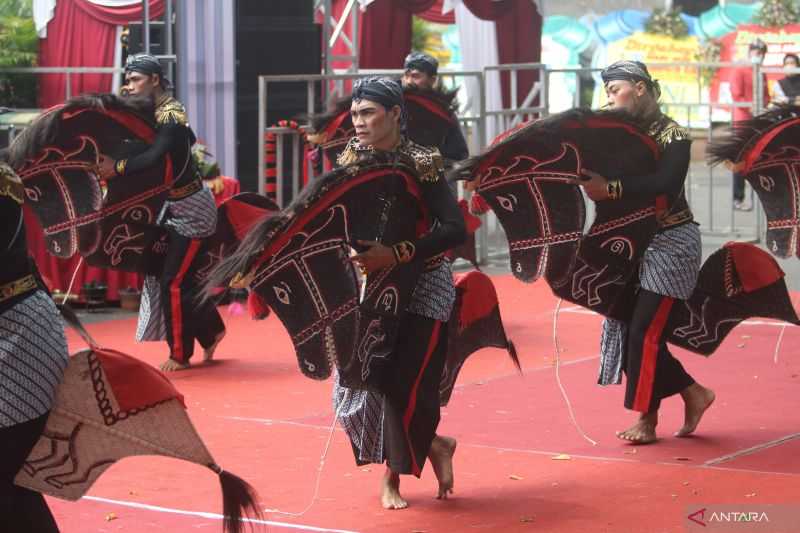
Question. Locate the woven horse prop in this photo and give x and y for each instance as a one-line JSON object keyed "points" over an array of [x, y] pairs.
{"points": [[110, 406], [527, 178]]}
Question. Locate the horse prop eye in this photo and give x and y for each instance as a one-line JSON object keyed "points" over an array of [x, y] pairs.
{"points": [[283, 292]]}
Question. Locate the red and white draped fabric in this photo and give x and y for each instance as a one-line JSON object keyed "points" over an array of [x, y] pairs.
{"points": [[81, 33], [492, 32]]}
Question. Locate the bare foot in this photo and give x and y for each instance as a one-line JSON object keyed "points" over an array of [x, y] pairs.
{"points": [[697, 400], [441, 457], [208, 353], [171, 365], [390, 491], [643, 431]]}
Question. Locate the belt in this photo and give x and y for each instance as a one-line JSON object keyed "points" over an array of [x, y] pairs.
{"points": [[187, 190], [669, 216], [434, 262], [17, 287], [675, 219]]}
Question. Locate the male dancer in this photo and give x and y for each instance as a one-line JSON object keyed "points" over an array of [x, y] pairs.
{"points": [[33, 356], [399, 426], [669, 268], [422, 70], [169, 307]]}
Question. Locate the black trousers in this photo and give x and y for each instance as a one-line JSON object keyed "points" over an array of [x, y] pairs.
{"points": [[21, 510], [412, 393], [738, 187], [186, 318], [652, 372]]}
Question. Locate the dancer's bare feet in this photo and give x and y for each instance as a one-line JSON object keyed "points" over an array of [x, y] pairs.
{"points": [[390, 491], [171, 365], [697, 400], [441, 457], [208, 353], [643, 431]]}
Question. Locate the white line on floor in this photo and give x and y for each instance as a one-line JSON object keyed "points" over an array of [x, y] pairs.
{"points": [[577, 310], [275, 421], [550, 453], [213, 516], [711, 464], [751, 450]]}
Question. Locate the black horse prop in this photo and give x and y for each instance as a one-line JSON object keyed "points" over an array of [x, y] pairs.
{"points": [[297, 264], [527, 178], [112, 224], [299, 267], [766, 149]]}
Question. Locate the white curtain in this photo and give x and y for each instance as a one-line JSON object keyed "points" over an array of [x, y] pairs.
{"points": [[44, 11], [478, 40]]}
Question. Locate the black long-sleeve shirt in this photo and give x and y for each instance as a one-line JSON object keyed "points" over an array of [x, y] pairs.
{"points": [[174, 138], [448, 228], [669, 176]]}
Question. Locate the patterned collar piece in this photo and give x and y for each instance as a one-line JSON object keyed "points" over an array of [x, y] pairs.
{"points": [[664, 130], [169, 110], [428, 161]]}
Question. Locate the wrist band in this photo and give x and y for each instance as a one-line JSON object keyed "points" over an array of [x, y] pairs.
{"points": [[404, 251], [119, 166], [614, 189]]}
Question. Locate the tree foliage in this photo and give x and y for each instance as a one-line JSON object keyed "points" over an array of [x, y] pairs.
{"points": [[19, 46]]}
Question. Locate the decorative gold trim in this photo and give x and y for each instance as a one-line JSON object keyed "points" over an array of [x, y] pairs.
{"points": [[187, 190], [434, 262], [169, 110], [404, 251], [17, 287], [429, 162], [349, 155], [614, 189], [675, 219], [119, 167], [241, 281], [665, 130], [11, 185]]}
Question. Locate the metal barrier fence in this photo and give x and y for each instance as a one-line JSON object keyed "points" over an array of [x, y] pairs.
{"points": [[68, 72], [709, 189], [288, 144]]}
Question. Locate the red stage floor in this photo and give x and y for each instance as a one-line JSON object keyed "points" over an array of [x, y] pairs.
{"points": [[263, 420]]}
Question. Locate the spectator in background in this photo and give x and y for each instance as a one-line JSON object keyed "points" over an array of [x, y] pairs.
{"points": [[743, 92], [787, 90]]}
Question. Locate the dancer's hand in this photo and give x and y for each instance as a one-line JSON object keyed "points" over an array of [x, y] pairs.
{"points": [[376, 257], [596, 186]]}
